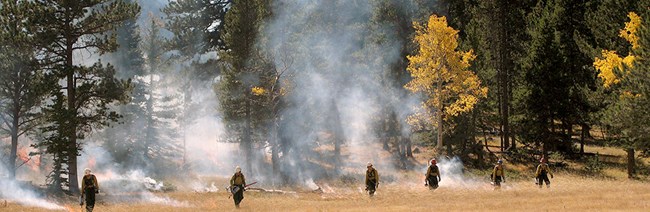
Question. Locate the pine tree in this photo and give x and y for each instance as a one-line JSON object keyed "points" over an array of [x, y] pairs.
{"points": [[197, 27], [23, 85], [627, 78], [123, 136], [66, 27], [236, 86], [159, 145]]}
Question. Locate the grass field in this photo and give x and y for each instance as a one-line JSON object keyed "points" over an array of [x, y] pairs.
{"points": [[568, 193]]}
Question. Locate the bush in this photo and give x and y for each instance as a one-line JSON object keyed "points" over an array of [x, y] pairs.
{"points": [[594, 166], [556, 157]]}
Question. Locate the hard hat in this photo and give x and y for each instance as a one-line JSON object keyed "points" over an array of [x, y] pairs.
{"points": [[542, 160], [499, 161], [87, 170], [433, 161], [237, 169], [369, 164]]}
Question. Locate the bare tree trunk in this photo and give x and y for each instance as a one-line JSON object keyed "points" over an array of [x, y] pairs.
{"points": [[439, 112], [409, 151], [631, 166]]}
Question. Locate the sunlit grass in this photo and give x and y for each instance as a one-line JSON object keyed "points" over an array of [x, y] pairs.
{"points": [[568, 193]]}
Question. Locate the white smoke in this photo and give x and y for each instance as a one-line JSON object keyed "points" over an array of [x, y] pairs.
{"points": [[113, 182], [333, 64], [12, 190], [136, 182], [452, 172]]}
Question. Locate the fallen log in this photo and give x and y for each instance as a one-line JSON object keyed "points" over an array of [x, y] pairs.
{"points": [[271, 191]]}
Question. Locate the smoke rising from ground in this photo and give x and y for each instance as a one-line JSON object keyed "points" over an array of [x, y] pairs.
{"points": [[336, 75], [452, 173], [15, 191], [123, 185]]}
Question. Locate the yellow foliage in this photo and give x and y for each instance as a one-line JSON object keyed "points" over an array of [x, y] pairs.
{"points": [[629, 32], [628, 95], [438, 61], [606, 67], [610, 60], [258, 91]]}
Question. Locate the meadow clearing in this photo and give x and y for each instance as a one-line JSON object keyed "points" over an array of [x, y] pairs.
{"points": [[568, 193]]}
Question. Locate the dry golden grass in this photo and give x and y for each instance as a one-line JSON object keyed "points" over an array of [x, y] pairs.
{"points": [[567, 194]]}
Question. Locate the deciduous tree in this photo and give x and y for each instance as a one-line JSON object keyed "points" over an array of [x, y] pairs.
{"points": [[441, 73]]}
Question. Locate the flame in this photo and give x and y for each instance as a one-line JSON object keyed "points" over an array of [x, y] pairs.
{"points": [[23, 154], [33, 162], [92, 162], [69, 208]]}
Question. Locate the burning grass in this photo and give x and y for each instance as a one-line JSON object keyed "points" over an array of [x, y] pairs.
{"points": [[567, 193]]}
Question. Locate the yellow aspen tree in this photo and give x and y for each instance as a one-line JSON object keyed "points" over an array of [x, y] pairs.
{"points": [[441, 73], [610, 61], [626, 114]]}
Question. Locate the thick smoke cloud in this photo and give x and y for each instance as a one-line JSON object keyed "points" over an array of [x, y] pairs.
{"points": [[336, 75]]}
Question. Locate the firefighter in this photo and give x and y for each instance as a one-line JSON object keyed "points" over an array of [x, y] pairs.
{"points": [[372, 179], [433, 175], [542, 173], [89, 187], [237, 186], [498, 175]]}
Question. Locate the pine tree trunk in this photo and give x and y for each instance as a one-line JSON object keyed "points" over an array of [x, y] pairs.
{"points": [[246, 139], [503, 58], [409, 150], [72, 122], [274, 152], [14, 128], [11, 165], [630, 163], [148, 139], [585, 130]]}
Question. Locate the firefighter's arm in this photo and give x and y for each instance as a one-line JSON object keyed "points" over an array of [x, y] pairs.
{"points": [[83, 186], [377, 174], [503, 174], [539, 169], [243, 179], [96, 184], [232, 180], [428, 172]]}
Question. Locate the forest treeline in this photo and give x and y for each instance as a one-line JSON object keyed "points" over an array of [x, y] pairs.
{"points": [[540, 75]]}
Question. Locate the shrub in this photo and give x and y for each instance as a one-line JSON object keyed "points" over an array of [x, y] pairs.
{"points": [[594, 165]]}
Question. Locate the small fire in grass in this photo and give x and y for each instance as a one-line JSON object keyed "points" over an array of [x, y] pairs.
{"points": [[32, 161]]}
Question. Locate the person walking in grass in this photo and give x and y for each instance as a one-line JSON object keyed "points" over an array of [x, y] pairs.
{"points": [[432, 176], [237, 185], [372, 179], [89, 187], [541, 175], [498, 175]]}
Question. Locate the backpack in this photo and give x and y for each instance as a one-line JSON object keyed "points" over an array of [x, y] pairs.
{"points": [[88, 181]]}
